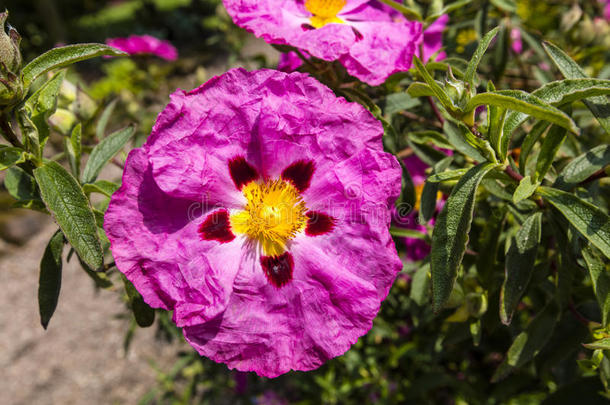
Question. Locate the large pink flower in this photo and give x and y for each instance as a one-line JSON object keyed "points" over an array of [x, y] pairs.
{"points": [[371, 40], [144, 44], [258, 211]]}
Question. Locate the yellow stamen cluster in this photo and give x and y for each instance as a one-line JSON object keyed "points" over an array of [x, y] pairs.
{"points": [[324, 11], [274, 213]]}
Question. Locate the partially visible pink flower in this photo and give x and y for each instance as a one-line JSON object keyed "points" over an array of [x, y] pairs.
{"points": [[607, 10], [433, 38], [515, 40], [270, 398], [144, 44], [370, 39], [289, 62], [258, 212]]}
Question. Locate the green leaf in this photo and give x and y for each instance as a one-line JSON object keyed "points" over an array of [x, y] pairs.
{"points": [[599, 105], [70, 208], [519, 265], [418, 89], [399, 101], [21, 185], [104, 151], [100, 129], [420, 286], [521, 101], [529, 342], [496, 117], [551, 144], [101, 186], [145, 315], [600, 277], [435, 138], [589, 220], [43, 103], [450, 235], [406, 200], [447, 9], [527, 186], [59, 57], [72, 147], [447, 175], [464, 141], [10, 156], [434, 86], [528, 143], [583, 166], [49, 283], [477, 56], [406, 233], [602, 344], [406, 11], [427, 200]]}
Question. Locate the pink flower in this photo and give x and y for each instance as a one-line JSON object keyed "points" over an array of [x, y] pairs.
{"points": [[258, 212], [607, 11], [371, 40], [433, 39], [289, 62], [144, 44], [515, 40]]}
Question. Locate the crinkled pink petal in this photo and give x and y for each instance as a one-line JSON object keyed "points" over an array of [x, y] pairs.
{"points": [[373, 43], [433, 38], [145, 44], [217, 289]]}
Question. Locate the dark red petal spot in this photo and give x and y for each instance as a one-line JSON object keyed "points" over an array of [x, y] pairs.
{"points": [[241, 171], [217, 227], [299, 174], [318, 223], [278, 269]]}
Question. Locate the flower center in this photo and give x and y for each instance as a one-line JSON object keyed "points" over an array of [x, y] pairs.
{"points": [[274, 213], [324, 11]]}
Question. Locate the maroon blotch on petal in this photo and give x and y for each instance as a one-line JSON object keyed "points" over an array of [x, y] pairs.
{"points": [[217, 227], [278, 269], [318, 223], [299, 174], [241, 171]]}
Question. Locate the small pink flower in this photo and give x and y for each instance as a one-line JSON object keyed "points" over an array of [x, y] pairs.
{"points": [[289, 62], [258, 212], [145, 44], [370, 39], [515, 41]]}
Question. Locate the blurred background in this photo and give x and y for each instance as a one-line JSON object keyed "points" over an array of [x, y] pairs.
{"points": [[93, 352]]}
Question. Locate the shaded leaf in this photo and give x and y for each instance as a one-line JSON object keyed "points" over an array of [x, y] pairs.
{"points": [[427, 202], [72, 147], [519, 265], [100, 129], [450, 235], [101, 186], [145, 315], [551, 144], [527, 186], [49, 283], [104, 151], [600, 277], [528, 143], [478, 55], [420, 286], [10, 156], [583, 166], [21, 185]]}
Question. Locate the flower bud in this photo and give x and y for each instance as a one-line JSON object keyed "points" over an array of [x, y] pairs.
{"points": [[10, 55], [456, 90]]}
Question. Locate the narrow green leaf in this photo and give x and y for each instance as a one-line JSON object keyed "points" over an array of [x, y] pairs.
{"points": [[447, 9], [450, 235], [49, 283], [599, 106], [435, 138], [528, 143], [478, 55], [600, 277], [583, 166], [521, 101], [72, 147], [427, 200], [104, 151], [42, 104], [100, 129], [63, 56], [10, 156], [406, 11], [602, 344], [398, 102], [418, 89], [406, 200], [447, 175], [551, 144], [101, 186], [464, 141], [145, 315], [529, 342], [496, 117], [21, 185], [519, 265], [434, 86], [420, 286], [406, 233], [70, 208], [527, 186], [589, 220]]}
